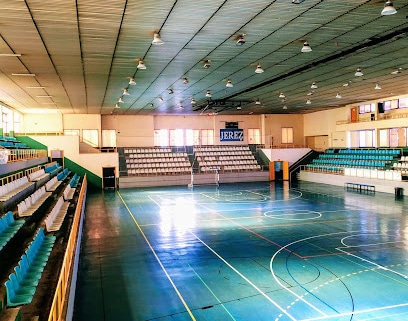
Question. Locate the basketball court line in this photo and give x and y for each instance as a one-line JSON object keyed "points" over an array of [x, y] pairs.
{"points": [[244, 277], [346, 314], [157, 258]]}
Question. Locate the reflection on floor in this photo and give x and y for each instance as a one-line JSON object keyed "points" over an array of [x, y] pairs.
{"points": [[243, 252]]}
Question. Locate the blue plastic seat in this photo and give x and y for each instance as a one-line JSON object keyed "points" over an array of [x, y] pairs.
{"points": [[15, 299]]}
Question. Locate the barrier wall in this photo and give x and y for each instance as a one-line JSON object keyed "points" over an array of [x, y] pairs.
{"points": [[63, 296]]}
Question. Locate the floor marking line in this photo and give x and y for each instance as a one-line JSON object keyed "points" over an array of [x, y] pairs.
{"points": [[213, 294], [244, 277], [157, 258], [286, 248], [358, 312], [373, 263]]}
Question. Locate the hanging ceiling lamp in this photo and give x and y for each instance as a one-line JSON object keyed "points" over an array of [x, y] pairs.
{"points": [[259, 69], [229, 84], [193, 101], [208, 94], [132, 81], [117, 105], [377, 86], [313, 86], [359, 73], [121, 100], [281, 95], [207, 64], [125, 91], [141, 65], [257, 101], [388, 9], [157, 40], [338, 96], [308, 102], [240, 39], [306, 47]]}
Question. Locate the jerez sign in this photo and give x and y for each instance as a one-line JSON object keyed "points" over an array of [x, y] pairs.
{"points": [[231, 135]]}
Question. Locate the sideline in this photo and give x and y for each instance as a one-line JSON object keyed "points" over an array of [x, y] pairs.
{"points": [[157, 258]]}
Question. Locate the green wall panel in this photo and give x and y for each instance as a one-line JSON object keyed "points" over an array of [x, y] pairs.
{"points": [[94, 181], [32, 143]]}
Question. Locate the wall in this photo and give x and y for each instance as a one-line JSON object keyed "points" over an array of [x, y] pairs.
{"points": [[273, 129], [70, 145], [323, 123], [42, 123], [130, 130], [139, 130]]}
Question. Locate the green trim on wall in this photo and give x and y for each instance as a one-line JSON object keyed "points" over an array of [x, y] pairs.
{"points": [[94, 181], [32, 143]]}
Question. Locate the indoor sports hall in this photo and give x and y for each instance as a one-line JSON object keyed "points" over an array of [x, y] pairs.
{"points": [[247, 251], [217, 160]]}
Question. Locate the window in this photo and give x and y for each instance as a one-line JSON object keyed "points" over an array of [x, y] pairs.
{"points": [[388, 105], [365, 138], [207, 137], [192, 137], [393, 137], [6, 121], [367, 108], [71, 132], [161, 137], [287, 135], [17, 122], [384, 138], [90, 137], [176, 137], [108, 138], [254, 136], [403, 102]]}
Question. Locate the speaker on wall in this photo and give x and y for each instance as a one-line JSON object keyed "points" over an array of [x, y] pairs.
{"points": [[380, 107]]}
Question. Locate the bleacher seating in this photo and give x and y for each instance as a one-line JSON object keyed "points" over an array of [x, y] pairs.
{"points": [[64, 174], [21, 285], [9, 190], [156, 161], [69, 192], [74, 180], [335, 161], [11, 143], [225, 158], [53, 170], [56, 217], [38, 175], [401, 165], [32, 203], [8, 228], [52, 184]]}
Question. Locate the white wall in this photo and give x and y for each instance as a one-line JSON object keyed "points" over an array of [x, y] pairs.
{"points": [[70, 145], [42, 123]]}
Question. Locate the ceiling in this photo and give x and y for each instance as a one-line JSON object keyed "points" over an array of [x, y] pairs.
{"points": [[81, 54]]}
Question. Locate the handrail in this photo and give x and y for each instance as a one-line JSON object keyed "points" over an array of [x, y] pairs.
{"points": [[368, 119], [58, 306], [16, 155]]}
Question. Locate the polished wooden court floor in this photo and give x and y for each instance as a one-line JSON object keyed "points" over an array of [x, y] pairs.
{"points": [[250, 251]]}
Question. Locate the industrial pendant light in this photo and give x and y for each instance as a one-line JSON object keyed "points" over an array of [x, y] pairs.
{"points": [[388, 9], [157, 40], [306, 47], [359, 73], [259, 69]]}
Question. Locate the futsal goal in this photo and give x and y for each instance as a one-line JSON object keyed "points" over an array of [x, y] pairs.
{"points": [[205, 179]]}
